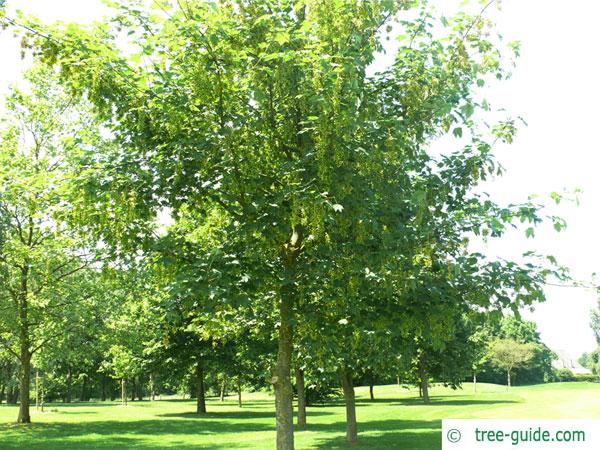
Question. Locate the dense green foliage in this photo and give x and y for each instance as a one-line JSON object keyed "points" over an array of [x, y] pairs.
{"points": [[224, 194]]}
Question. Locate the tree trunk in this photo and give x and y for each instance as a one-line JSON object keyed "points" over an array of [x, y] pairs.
{"points": [[83, 388], [301, 391], [42, 393], [25, 348], [152, 388], [69, 384], [24, 416], [371, 394], [398, 380], [284, 396], [2, 388], [348, 388], [508, 377], [123, 392], [200, 394], [223, 388], [103, 389], [474, 381], [37, 390], [424, 382], [14, 395], [239, 390], [133, 387]]}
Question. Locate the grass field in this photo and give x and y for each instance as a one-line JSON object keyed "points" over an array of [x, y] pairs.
{"points": [[396, 419]]}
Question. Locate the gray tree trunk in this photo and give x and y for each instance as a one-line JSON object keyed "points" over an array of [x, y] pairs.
{"points": [[348, 388], [123, 392], [301, 392], [152, 388], [424, 382], [25, 349], [223, 388], [200, 392], [284, 409], [68, 394], [24, 416]]}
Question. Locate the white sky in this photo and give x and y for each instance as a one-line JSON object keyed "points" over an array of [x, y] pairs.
{"points": [[555, 88]]}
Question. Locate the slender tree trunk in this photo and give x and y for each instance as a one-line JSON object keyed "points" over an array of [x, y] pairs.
{"points": [[69, 386], [14, 395], [474, 381], [239, 390], [24, 416], [83, 388], [42, 393], [152, 388], [123, 392], [284, 396], [508, 377], [25, 348], [223, 388], [133, 387], [140, 390], [424, 382], [348, 388], [2, 388], [398, 380], [103, 389], [371, 394], [301, 392], [37, 390], [200, 394]]}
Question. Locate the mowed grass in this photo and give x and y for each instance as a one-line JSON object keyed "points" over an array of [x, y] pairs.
{"points": [[396, 419]]}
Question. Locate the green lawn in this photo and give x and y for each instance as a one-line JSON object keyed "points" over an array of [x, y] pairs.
{"points": [[396, 419]]}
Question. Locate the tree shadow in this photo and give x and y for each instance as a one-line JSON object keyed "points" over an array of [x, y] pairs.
{"points": [[234, 414], [446, 401], [56, 435], [386, 434]]}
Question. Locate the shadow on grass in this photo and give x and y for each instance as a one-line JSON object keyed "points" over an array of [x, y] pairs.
{"points": [[176, 430], [445, 401], [385, 435], [129, 434], [416, 401], [248, 414]]}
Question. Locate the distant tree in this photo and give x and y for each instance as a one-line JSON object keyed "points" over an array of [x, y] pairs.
{"points": [[509, 354], [39, 252], [479, 342], [584, 360], [593, 361], [539, 368], [595, 324]]}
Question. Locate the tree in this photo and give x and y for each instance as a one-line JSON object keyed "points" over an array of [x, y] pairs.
{"points": [[509, 354], [269, 115], [39, 252], [539, 368]]}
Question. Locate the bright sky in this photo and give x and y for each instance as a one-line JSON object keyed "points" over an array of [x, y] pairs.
{"points": [[555, 88]]}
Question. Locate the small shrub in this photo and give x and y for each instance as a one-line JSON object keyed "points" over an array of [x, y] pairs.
{"points": [[562, 375], [588, 377]]}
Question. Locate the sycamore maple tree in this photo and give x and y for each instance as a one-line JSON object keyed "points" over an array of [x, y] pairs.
{"points": [[264, 122]]}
